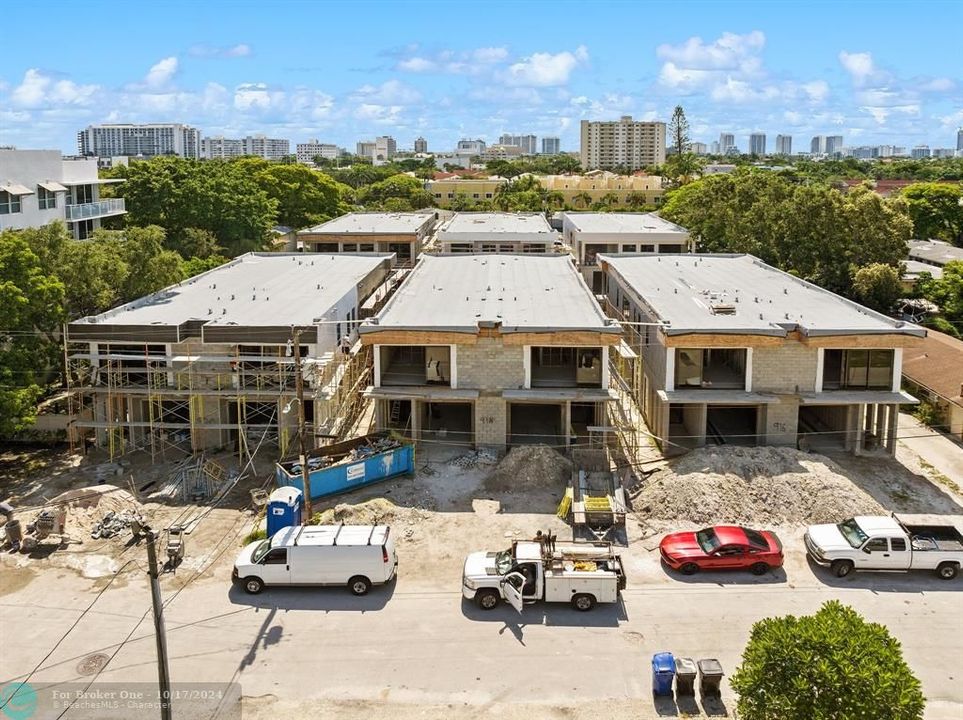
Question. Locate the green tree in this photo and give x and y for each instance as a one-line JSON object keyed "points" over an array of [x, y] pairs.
{"points": [[582, 199], [635, 200], [945, 292], [31, 304], [149, 266], [936, 210], [304, 196], [196, 265], [877, 286], [408, 193], [679, 131], [829, 666]]}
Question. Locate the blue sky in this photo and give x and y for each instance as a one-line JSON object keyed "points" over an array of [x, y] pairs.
{"points": [[874, 72]]}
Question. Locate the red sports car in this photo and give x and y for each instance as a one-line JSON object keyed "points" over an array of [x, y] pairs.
{"points": [[723, 547]]}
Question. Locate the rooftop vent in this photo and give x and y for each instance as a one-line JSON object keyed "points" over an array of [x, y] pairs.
{"points": [[721, 308]]}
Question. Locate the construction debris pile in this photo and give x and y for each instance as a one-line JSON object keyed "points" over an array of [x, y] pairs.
{"points": [[371, 446], [112, 524], [100, 511], [473, 459], [530, 467], [377, 511], [194, 479], [763, 485]]}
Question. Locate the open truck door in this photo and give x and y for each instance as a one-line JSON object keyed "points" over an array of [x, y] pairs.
{"points": [[512, 585]]}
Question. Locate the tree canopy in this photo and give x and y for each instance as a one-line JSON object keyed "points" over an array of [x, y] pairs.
{"points": [[936, 210], [829, 666], [396, 193]]}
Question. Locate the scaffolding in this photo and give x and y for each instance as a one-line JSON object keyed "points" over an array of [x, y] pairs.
{"points": [[179, 400]]}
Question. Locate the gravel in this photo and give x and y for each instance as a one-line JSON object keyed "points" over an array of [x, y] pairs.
{"points": [[530, 467]]}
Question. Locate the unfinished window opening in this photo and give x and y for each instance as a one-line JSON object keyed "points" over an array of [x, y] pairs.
{"points": [[326, 247], [536, 423], [129, 364], [415, 365], [710, 368], [402, 251], [566, 367], [858, 369]]}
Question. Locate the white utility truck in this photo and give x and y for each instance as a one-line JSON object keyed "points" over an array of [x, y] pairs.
{"points": [[580, 573], [897, 542], [355, 556]]}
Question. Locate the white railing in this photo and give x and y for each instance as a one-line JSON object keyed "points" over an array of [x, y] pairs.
{"points": [[86, 211]]}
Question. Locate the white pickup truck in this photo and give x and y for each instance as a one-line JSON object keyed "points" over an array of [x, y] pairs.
{"points": [[898, 542], [579, 573]]}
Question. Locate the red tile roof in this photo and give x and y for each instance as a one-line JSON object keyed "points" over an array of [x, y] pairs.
{"points": [[937, 364]]}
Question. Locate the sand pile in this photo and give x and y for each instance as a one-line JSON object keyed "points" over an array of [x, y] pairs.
{"points": [[764, 485], [530, 467], [377, 511]]}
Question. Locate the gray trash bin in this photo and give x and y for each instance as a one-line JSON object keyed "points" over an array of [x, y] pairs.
{"points": [[685, 675], [710, 677]]}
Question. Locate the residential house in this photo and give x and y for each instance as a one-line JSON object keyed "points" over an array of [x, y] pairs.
{"points": [[492, 350], [489, 232], [402, 234], [734, 351], [934, 371], [447, 188], [623, 191]]}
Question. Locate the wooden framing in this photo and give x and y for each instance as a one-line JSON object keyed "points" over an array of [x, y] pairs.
{"points": [[707, 340], [562, 338], [418, 337], [886, 341], [545, 339], [883, 341]]}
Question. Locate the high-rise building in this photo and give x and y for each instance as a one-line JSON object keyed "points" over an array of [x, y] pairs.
{"points": [[551, 146], [727, 141], [528, 143], [312, 148], [421, 145], [959, 139], [365, 149], [817, 145], [714, 147], [920, 151], [943, 153], [834, 145], [627, 143], [147, 140], [257, 145], [385, 148], [784, 145], [757, 143], [470, 147], [697, 148]]}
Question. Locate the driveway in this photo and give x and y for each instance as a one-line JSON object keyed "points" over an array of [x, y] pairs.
{"points": [[932, 447]]}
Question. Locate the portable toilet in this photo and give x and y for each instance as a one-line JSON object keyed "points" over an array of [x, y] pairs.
{"points": [[283, 509]]}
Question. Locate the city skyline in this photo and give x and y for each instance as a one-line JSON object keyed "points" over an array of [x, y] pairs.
{"points": [[738, 68]]}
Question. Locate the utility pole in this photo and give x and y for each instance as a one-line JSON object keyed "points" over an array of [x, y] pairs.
{"points": [[163, 671], [299, 389]]}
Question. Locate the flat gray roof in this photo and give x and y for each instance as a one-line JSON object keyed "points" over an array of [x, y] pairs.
{"points": [[591, 222], [522, 293], [496, 222], [372, 224], [913, 268], [256, 289], [693, 293], [934, 251]]}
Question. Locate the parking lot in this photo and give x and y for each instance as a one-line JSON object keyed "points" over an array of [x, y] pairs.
{"points": [[415, 648]]}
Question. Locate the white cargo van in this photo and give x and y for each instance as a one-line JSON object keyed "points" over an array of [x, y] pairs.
{"points": [[356, 556]]}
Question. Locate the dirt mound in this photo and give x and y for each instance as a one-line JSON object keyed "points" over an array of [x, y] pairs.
{"points": [[87, 506], [765, 485], [529, 467], [377, 511]]}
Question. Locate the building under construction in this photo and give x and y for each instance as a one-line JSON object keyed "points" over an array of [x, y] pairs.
{"points": [[210, 362]]}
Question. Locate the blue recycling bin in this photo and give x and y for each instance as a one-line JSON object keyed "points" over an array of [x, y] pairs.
{"points": [[663, 671], [284, 509]]}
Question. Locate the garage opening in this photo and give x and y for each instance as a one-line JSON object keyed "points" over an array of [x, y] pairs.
{"points": [[736, 425], [585, 416], [535, 423], [397, 415], [450, 422], [824, 426], [686, 427]]}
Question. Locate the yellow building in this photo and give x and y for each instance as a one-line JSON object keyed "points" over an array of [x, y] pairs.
{"points": [[476, 189], [596, 184]]}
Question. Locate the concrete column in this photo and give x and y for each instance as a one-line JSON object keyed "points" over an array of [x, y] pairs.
{"points": [[748, 369], [897, 369], [820, 360], [567, 421], [605, 366], [871, 418], [377, 365], [892, 413], [453, 363], [415, 423], [527, 362], [670, 369], [860, 426]]}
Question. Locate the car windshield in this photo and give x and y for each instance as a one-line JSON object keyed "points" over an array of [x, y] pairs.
{"points": [[756, 540], [708, 540], [503, 561], [260, 551], [852, 532]]}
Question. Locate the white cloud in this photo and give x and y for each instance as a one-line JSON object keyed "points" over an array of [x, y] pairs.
{"points": [[546, 69], [729, 52], [381, 114], [249, 96], [161, 73], [417, 65], [38, 90], [859, 65], [817, 90], [451, 62], [940, 84], [212, 51], [391, 91]]}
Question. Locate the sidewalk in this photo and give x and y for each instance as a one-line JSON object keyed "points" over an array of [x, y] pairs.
{"points": [[934, 448]]}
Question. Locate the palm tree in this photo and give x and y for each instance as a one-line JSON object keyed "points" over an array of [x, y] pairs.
{"points": [[583, 199], [609, 200], [553, 200], [635, 200]]}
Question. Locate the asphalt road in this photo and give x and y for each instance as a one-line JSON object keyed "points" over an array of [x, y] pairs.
{"points": [[410, 650]]}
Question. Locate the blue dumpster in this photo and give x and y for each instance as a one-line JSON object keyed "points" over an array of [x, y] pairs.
{"points": [[283, 509], [663, 671]]}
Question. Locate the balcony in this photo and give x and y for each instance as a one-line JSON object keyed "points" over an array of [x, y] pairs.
{"points": [[99, 209], [719, 369], [415, 365], [566, 367]]}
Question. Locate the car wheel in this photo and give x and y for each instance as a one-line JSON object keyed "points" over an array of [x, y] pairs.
{"points": [[947, 571], [487, 599], [759, 568], [359, 585], [583, 602], [689, 569], [253, 585], [841, 568]]}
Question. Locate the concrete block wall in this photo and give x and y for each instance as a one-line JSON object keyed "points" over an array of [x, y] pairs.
{"points": [[491, 421], [787, 369], [782, 422], [490, 365]]}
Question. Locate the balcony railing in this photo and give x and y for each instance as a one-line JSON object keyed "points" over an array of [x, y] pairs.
{"points": [[102, 208]]}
